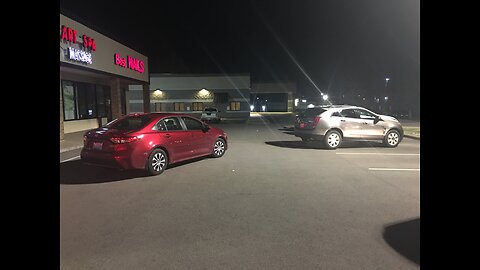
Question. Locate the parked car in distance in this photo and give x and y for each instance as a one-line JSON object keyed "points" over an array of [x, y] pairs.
{"points": [[401, 114], [152, 141], [210, 114], [335, 123]]}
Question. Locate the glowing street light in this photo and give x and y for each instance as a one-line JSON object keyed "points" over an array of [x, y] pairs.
{"points": [[158, 93], [385, 95], [325, 97]]}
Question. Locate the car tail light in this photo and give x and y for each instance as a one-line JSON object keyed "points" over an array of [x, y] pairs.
{"points": [[315, 121], [120, 140]]}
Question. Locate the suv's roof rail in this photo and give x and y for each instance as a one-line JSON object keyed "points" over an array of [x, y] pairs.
{"points": [[334, 106]]}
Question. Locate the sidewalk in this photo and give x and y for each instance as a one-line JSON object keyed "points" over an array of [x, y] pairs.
{"points": [[72, 141], [411, 128]]}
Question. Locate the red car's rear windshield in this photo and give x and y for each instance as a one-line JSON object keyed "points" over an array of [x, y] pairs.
{"points": [[131, 123], [210, 109]]}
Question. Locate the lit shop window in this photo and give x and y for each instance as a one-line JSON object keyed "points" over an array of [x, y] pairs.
{"points": [[179, 106], [85, 100], [235, 106], [197, 106], [69, 110]]}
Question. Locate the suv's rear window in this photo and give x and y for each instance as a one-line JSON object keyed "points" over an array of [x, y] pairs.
{"points": [[210, 109], [131, 123], [312, 112]]}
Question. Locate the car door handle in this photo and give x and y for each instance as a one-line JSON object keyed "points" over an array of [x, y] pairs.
{"points": [[167, 135], [365, 123], [342, 120]]}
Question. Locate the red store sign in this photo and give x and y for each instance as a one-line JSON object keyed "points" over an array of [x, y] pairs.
{"points": [[129, 62], [70, 35]]}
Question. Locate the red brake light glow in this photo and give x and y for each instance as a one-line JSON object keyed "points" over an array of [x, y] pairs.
{"points": [[315, 121], [119, 140]]}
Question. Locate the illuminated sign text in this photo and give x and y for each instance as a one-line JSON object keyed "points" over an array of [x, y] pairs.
{"points": [[129, 62], [89, 43], [70, 35], [79, 55], [120, 61]]}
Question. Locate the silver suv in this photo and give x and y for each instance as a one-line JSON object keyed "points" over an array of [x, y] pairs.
{"points": [[210, 114], [335, 123]]}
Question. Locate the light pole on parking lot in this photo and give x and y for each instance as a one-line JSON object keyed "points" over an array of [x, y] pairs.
{"points": [[385, 96]]}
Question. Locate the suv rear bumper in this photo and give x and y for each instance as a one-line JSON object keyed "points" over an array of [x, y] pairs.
{"points": [[307, 134]]}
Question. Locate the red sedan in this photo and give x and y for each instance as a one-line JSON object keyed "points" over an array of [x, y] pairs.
{"points": [[152, 141]]}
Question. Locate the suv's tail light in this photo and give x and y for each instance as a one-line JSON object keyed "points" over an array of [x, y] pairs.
{"points": [[120, 140], [315, 121]]}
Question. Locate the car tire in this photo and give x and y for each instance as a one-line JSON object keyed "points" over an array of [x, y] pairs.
{"points": [[392, 138], [157, 162], [332, 139], [218, 148]]}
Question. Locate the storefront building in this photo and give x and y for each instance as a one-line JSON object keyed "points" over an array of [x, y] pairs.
{"points": [[95, 74], [273, 96], [191, 93]]}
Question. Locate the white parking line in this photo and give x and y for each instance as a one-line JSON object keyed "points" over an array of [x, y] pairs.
{"points": [[392, 169], [70, 159], [383, 154]]}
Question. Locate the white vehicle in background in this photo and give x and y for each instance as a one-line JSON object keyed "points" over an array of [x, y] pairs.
{"points": [[210, 114], [335, 123]]}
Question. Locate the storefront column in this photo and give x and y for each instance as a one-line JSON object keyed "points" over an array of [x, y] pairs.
{"points": [[146, 98], [116, 98], [290, 102], [62, 133]]}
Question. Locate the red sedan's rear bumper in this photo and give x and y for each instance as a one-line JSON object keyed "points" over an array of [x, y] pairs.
{"points": [[106, 159]]}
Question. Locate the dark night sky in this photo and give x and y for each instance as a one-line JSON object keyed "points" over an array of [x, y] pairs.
{"points": [[341, 45]]}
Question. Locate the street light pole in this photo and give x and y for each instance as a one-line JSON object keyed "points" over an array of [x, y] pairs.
{"points": [[385, 96]]}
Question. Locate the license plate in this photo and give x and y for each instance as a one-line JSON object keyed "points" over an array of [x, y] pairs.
{"points": [[302, 125], [97, 145]]}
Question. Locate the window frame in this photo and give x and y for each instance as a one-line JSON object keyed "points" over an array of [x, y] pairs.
{"points": [[180, 104], [196, 104], [358, 111], [182, 128], [75, 109], [195, 120], [234, 108], [346, 115], [76, 100]]}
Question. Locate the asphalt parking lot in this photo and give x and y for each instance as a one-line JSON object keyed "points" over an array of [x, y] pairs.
{"points": [[271, 202]]}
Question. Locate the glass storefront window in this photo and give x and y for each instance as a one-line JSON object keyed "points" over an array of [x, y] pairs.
{"points": [[179, 106], [235, 106], [197, 106], [85, 100], [68, 100], [101, 111]]}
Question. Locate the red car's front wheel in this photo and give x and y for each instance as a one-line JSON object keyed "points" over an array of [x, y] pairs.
{"points": [[218, 148]]}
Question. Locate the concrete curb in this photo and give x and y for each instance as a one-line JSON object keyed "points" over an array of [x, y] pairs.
{"points": [[70, 148], [411, 137]]}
